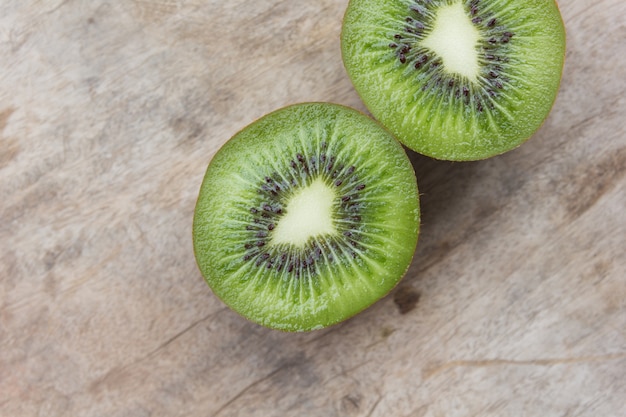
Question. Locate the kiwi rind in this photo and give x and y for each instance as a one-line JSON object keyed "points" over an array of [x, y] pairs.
{"points": [[212, 228], [390, 94]]}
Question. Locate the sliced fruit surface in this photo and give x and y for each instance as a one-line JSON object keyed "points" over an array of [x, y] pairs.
{"points": [[456, 79], [306, 217]]}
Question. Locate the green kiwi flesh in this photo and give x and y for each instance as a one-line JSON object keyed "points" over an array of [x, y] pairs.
{"points": [[306, 217], [456, 79]]}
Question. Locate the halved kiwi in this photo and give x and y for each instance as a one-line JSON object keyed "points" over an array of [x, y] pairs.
{"points": [[456, 79], [306, 217]]}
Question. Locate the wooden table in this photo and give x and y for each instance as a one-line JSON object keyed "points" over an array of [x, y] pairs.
{"points": [[515, 304]]}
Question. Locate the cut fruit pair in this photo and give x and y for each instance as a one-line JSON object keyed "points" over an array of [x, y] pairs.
{"points": [[311, 214]]}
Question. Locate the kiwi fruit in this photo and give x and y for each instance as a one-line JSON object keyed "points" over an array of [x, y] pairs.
{"points": [[456, 79], [306, 217]]}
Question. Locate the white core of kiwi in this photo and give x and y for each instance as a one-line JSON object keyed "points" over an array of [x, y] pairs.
{"points": [[307, 214], [454, 38]]}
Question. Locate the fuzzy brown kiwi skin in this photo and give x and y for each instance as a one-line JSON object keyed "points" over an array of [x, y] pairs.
{"points": [[414, 181], [484, 157]]}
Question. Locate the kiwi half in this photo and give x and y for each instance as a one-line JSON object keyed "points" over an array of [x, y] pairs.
{"points": [[306, 217], [456, 79]]}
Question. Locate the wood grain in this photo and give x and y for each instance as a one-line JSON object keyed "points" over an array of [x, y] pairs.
{"points": [[515, 303]]}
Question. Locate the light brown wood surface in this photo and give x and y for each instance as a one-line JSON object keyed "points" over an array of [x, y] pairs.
{"points": [[515, 303]]}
